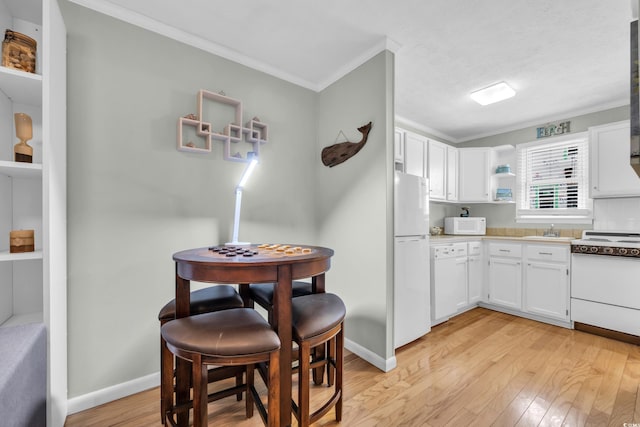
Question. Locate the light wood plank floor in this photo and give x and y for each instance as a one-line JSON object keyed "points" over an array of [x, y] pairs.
{"points": [[482, 368]]}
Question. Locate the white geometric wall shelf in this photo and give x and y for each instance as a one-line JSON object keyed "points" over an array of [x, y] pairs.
{"points": [[254, 131]]}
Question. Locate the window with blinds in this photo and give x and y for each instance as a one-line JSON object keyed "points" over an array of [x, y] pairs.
{"points": [[554, 178]]}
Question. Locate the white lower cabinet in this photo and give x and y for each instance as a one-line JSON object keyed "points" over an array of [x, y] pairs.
{"points": [[475, 272], [521, 278], [505, 282], [460, 283], [546, 281], [531, 279]]}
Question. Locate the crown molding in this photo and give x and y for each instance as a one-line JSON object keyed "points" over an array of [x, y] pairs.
{"points": [[149, 24]]}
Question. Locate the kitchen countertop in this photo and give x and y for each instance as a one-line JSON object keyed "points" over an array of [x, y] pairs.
{"points": [[444, 238]]}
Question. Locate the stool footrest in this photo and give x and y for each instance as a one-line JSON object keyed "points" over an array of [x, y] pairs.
{"points": [[212, 397]]}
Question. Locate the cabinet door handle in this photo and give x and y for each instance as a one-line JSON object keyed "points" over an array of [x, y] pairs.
{"points": [[504, 250], [545, 253]]}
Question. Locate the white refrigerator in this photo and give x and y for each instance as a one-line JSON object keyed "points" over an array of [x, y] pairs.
{"points": [[412, 308]]}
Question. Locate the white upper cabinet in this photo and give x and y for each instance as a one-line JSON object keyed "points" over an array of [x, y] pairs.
{"points": [[410, 153], [473, 166], [452, 173], [611, 174], [415, 153], [437, 170]]}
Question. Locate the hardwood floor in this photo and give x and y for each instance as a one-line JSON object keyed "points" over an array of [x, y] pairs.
{"points": [[482, 368]]}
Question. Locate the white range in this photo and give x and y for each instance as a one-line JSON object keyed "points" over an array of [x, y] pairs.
{"points": [[605, 281]]}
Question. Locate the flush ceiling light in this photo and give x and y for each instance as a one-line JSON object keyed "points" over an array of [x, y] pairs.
{"points": [[494, 93]]}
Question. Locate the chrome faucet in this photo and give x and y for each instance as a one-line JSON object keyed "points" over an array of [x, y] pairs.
{"points": [[551, 232]]}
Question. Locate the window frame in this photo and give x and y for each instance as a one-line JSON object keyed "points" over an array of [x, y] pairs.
{"points": [[556, 215]]}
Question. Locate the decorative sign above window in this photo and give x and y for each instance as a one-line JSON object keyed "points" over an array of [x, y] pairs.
{"points": [[553, 130]]}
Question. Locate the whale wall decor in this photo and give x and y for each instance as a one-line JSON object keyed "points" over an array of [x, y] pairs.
{"points": [[342, 151]]}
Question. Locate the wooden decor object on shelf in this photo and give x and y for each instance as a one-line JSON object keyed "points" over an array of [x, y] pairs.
{"points": [[21, 241], [254, 131], [24, 132], [340, 152], [19, 51]]}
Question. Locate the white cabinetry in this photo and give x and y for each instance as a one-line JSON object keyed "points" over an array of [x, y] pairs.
{"points": [[460, 283], [452, 173], [33, 196], [475, 270], [437, 170], [611, 174], [546, 281], [473, 166], [501, 178], [410, 153], [505, 275], [415, 153], [443, 171]]}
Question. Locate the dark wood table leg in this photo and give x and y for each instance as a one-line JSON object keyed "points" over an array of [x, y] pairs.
{"points": [[245, 293], [183, 368], [282, 325], [317, 284]]}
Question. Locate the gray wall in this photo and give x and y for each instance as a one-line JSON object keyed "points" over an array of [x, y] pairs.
{"points": [[353, 197], [134, 200]]}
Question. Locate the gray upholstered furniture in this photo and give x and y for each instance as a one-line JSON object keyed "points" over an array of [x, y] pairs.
{"points": [[23, 375]]}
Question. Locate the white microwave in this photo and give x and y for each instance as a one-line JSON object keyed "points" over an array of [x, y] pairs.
{"points": [[465, 225]]}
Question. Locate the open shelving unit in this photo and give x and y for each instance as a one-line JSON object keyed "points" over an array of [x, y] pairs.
{"points": [[503, 155], [33, 285]]}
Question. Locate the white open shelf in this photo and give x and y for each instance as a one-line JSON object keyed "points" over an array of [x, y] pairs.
{"points": [[20, 256], [20, 170], [21, 87], [23, 319]]}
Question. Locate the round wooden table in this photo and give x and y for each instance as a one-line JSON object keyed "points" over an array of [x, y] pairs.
{"points": [[260, 265]]}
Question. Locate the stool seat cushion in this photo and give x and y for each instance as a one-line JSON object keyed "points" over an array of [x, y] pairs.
{"points": [[317, 313], [213, 298], [262, 293], [234, 332]]}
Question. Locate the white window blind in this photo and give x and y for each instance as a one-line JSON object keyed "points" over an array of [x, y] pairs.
{"points": [[553, 180]]}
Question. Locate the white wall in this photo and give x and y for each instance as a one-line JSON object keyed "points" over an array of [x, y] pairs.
{"points": [[354, 204]]}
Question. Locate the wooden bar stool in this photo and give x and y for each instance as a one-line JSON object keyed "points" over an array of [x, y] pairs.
{"points": [[213, 298], [238, 336], [318, 320], [262, 293]]}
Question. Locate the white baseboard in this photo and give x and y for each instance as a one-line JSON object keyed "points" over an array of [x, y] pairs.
{"points": [[108, 394], [384, 365], [118, 391]]}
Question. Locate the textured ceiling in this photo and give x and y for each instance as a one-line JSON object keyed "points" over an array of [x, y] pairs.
{"points": [[563, 57]]}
